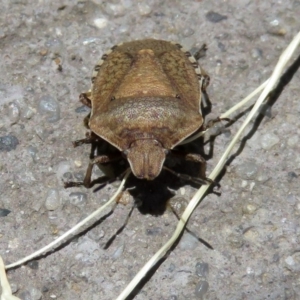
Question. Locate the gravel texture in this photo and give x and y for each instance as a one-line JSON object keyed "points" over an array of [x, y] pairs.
{"points": [[48, 51]]}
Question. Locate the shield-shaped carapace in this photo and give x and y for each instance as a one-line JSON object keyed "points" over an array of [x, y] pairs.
{"points": [[145, 99]]}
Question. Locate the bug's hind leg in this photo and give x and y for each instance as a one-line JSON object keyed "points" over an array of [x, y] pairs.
{"points": [[201, 179]]}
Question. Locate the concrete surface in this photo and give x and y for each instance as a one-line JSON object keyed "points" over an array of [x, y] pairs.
{"points": [[48, 50]]}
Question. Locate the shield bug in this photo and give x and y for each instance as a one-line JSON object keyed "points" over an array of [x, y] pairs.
{"points": [[145, 99]]}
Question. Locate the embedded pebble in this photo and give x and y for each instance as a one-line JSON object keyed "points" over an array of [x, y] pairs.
{"points": [[28, 112], [293, 262], [269, 140], [33, 152], [235, 240], [251, 234], [4, 212], [50, 107], [13, 113], [35, 293], [188, 242], [52, 199], [82, 109], [249, 209], [292, 176], [256, 53], [78, 199], [201, 288], [89, 40], [144, 8], [8, 143], [202, 269], [88, 250], [179, 204], [118, 251], [188, 32], [154, 231], [215, 17], [34, 264], [62, 168], [247, 170], [100, 22]]}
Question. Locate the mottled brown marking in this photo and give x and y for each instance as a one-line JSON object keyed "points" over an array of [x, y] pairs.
{"points": [[145, 100]]}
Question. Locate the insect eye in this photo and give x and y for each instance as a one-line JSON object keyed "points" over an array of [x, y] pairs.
{"points": [[112, 98], [177, 96]]}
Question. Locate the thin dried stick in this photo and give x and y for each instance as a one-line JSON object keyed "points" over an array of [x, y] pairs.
{"points": [[56, 242], [6, 293]]}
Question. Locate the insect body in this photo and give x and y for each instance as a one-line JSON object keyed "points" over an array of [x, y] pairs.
{"points": [[145, 99]]}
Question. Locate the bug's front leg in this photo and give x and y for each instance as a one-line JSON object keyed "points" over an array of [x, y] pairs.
{"points": [[90, 138], [87, 181]]}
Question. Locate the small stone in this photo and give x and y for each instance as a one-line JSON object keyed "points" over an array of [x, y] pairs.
{"points": [[201, 289], [295, 262], [202, 269], [100, 22], [269, 140], [34, 264], [78, 199], [292, 176], [35, 293], [8, 143], [118, 252], [188, 242], [52, 200], [215, 17], [44, 52], [188, 32], [249, 209], [78, 163], [144, 8], [235, 240], [251, 234], [4, 212], [33, 153], [256, 53], [154, 231], [50, 107], [13, 113], [82, 109], [28, 113], [62, 168]]}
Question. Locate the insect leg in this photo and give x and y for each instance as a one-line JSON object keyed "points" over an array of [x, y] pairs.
{"points": [[202, 179], [84, 98], [201, 52], [90, 138]]}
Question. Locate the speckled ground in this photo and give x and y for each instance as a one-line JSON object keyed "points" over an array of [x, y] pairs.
{"points": [[48, 49]]}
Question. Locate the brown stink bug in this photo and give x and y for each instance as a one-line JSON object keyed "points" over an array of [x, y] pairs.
{"points": [[145, 99]]}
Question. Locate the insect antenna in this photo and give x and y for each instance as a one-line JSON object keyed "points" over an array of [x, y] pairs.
{"points": [[197, 180]]}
